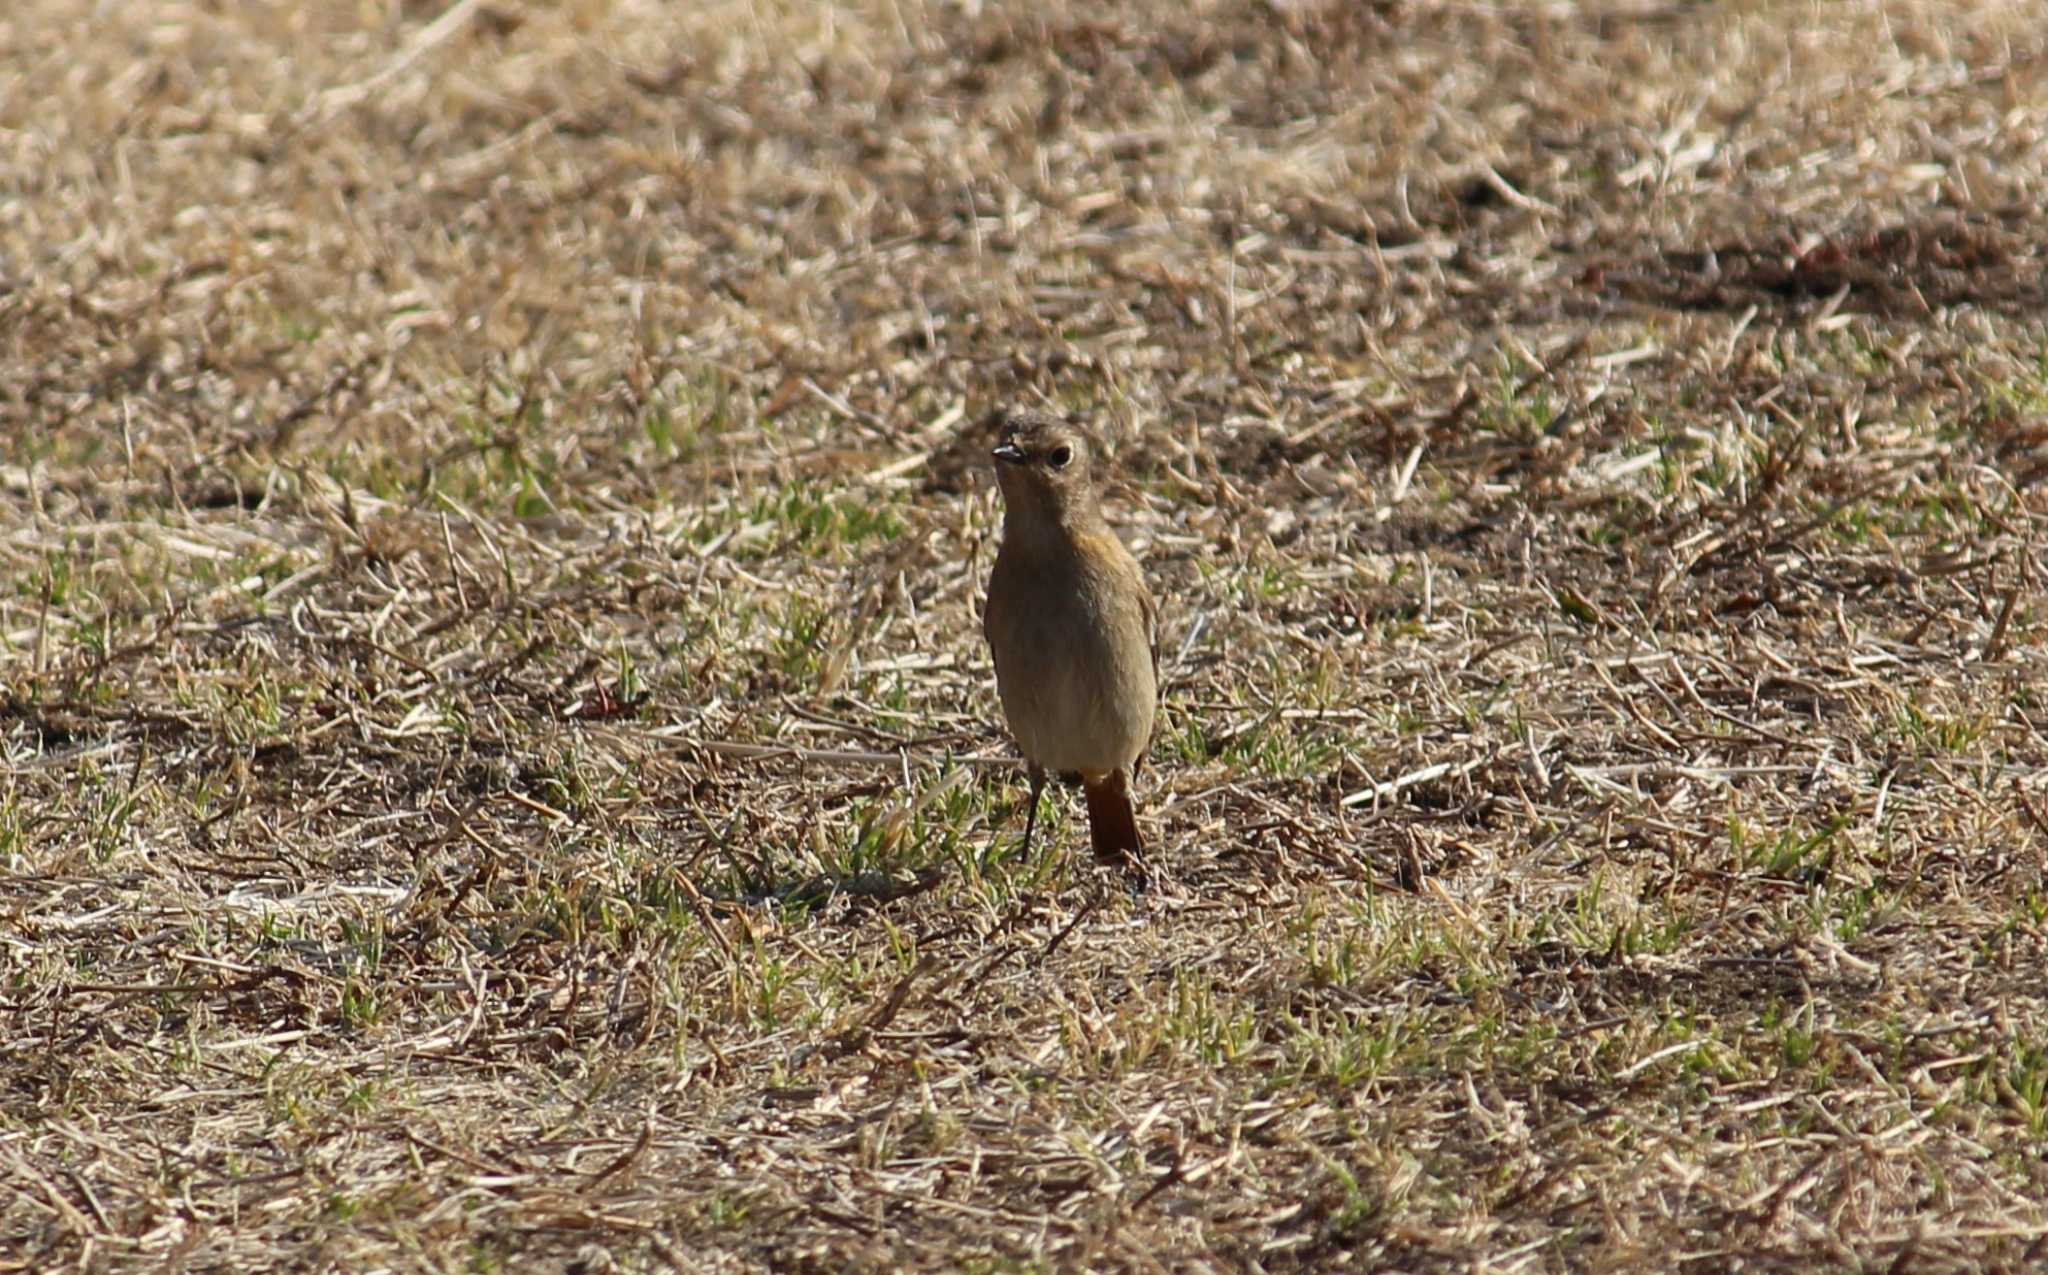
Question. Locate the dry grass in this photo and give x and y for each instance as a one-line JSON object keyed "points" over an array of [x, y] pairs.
{"points": [[500, 771]]}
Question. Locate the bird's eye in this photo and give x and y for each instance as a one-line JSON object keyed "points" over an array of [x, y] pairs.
{"points": [[1060, 457]]}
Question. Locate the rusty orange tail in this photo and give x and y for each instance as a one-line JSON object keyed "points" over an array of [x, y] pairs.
{"points": [[1112, 824]]}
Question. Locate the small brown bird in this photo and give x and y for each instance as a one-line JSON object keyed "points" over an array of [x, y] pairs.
{"points": [[1072, 628]]}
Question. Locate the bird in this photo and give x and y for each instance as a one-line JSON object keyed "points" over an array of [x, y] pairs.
{"points": [[1071, 627]]}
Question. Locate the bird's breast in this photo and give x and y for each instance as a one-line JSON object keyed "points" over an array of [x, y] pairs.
{"points": [[1073, 654]]}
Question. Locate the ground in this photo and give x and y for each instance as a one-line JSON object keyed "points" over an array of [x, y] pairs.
{"points": [[498, 765]]}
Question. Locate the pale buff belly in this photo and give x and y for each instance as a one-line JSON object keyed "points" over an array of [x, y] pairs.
{"points": [[1062, 700]]}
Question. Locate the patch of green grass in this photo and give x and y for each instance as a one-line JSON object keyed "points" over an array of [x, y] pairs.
{"points": [[1929, 732], [1791, 1031], [1789, 854], [1349, 1054], [1281, 748], [813, 520], [1519, 407], [1214, 1025], [2012, 1082], [798, 644]]}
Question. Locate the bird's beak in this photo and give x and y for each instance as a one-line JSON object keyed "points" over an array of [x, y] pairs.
{"points": [[1008, 452]]}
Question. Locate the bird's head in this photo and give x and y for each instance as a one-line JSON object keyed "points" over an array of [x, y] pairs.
{"points": [[1046, 466]]}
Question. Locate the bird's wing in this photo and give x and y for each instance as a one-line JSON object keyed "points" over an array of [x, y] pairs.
{"points": [[1151, 613]]}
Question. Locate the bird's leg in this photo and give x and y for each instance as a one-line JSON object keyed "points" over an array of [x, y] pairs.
{"points": [[1031, 810]]}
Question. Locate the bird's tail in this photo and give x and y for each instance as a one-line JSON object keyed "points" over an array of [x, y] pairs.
{"points": [[1112, 824]]}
